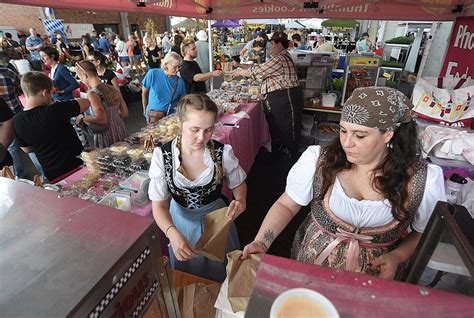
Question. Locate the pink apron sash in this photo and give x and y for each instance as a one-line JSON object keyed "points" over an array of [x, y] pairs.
{"points": [[354, 240]]}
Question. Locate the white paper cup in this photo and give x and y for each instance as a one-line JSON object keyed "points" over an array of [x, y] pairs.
{"points": [[302, 302]]}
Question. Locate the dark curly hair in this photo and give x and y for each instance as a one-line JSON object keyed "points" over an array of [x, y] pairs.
{"points": [[395, 171], [51, 52]]}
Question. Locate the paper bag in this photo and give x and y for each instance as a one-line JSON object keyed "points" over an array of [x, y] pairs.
{"points": [[213, 241], [241, 275], [7, 173], [197, 300]]}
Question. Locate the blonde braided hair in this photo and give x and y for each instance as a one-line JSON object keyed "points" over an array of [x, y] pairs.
{"points": [[199, 102], [217, 165]]}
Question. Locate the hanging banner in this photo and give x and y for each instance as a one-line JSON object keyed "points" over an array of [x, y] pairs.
{"points": [[459, 61], [406, 10], [431, 10], [76, 30]]}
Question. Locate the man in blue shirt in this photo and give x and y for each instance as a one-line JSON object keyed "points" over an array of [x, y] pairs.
{"points": [[34, 45], [104, 44], [95, 40]]}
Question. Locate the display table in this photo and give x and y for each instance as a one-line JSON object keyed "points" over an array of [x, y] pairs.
{"points": [[353, 294], [62, 256], [246, 140]]}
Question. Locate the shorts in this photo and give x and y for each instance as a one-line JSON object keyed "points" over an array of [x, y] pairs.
{"points": [[124, 59], [137, 57]]}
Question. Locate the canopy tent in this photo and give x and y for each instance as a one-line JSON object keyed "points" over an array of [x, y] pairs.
{"points": [[226, 24], [339, 25], [187, 24], [312, 23], [294, 25], [260, 21], [415, 10]]}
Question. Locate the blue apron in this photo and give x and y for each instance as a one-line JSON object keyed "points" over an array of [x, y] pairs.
{"points": [[189, 222]]}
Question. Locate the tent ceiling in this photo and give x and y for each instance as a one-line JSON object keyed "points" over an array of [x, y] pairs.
{"points": [[419, 10]]}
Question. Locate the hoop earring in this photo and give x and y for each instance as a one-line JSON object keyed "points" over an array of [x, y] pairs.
{"points": [[389, 145]]}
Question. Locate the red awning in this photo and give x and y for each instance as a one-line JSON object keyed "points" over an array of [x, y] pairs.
{"points": [[419, 10]]}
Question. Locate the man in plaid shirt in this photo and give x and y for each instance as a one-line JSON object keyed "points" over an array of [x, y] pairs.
{"points": [[284, 98]]}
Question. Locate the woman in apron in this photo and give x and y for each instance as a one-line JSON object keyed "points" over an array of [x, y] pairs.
{"points": [[187, 175], [366, 190]]}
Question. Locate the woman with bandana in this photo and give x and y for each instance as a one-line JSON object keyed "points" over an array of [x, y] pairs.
{"points": [[370, 193]]}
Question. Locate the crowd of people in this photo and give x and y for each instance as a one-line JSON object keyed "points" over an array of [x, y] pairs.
{"points": [[369, 185]]}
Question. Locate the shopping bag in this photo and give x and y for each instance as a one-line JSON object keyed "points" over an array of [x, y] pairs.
{"points": [[7, 173], [213, 241], [241, 275], [446, 101], [197, 300], [448, 143]]}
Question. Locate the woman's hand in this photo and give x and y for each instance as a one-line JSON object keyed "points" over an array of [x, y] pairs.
{"points": [[236, 207], [182, 249], [80, 121], [217, 73], [386, 264], [255, 247]]}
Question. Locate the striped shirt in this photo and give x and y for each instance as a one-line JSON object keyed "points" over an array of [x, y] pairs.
{"points": [[278, 73], [9, 83]]}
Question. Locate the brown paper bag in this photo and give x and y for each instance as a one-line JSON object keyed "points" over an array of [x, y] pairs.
{"points": [[241, 275], [7, 173], [197, 300], [213, 241]]}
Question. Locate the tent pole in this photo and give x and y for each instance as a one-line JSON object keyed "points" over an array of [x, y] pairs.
{"points": [[211, 53]]}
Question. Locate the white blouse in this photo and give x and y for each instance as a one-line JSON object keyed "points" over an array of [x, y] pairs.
{"points": [[360, 213], [158, 190]]}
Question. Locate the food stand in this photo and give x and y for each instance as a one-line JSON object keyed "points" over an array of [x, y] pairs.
{"points": [[69, 257], [334, 281]]}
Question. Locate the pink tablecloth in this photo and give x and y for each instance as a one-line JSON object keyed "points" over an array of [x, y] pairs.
{"points": [[246, 140]]}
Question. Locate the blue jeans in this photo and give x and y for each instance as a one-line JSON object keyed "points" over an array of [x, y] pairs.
{"points": [[14, 150], [37, 164]]}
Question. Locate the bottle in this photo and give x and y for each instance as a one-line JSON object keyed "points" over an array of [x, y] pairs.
{"points": [[453, 187]]}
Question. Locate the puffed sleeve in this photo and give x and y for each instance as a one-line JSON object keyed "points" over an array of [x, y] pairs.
{"points": [[434, 192], [299, 183], [158, 189], [234, 175]]}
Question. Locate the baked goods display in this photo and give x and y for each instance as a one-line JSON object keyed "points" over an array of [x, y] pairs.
{"points": [[243, 91], [89, 157]]}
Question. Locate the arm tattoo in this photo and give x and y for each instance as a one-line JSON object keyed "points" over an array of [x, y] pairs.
{"points": [[268, 236]]}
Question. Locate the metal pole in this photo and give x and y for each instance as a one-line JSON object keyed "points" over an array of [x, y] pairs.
{"points": [[211, 53]]}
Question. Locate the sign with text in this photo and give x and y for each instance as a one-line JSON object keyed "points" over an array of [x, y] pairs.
{"points": [[459, 61], [76, 30]]}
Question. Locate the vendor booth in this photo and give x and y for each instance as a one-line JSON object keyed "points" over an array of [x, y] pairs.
{"points": [[88, 245]]}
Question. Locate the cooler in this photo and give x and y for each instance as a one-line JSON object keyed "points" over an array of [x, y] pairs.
{"points": [[62, 256]]}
